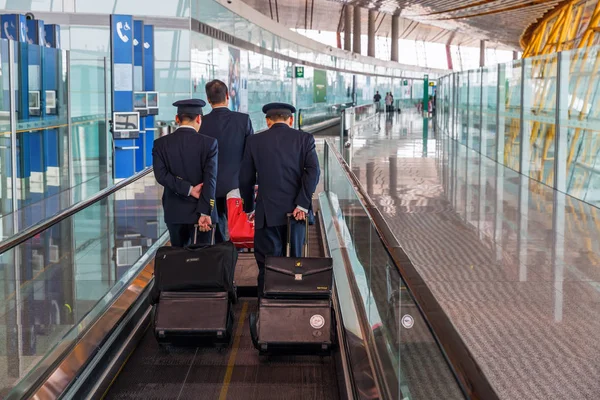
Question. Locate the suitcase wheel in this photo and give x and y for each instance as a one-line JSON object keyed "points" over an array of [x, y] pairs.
{"points": [[234, 300], [253, 330]]}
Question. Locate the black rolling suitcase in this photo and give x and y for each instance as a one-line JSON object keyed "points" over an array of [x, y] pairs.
{"points": [[295, 312], [193, 292]]}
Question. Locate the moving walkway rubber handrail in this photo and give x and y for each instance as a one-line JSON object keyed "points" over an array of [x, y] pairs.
{"points": [[462, 363], [30, 232]]}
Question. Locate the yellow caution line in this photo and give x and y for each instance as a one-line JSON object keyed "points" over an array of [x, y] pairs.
{"points": [[234, 350]]}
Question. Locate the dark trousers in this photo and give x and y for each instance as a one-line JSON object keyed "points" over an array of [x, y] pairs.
{"points": [[183, 235], [222, 233], [272, 241]]}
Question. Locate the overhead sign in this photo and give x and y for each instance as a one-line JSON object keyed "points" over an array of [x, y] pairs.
{"points": [[299, 72], [405, 83], [431, 83], [14, 27], [320, 86]]}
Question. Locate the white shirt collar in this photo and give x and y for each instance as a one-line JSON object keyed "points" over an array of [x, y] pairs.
{"points": [[214, 108]]}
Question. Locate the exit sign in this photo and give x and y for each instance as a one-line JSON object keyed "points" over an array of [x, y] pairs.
{"points": [[299, 72], [405, 83]]}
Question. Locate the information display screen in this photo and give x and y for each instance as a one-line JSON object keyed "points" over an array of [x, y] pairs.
{"points": [[152, 101], [139, 100], [50, 99], [126, 122], [34, 100]]}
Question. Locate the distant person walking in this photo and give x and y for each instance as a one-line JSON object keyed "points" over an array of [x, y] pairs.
{"points": [[388, 102], [377, 101]]}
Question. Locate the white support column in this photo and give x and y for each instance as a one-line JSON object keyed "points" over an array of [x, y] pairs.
{"points": [[356, 34], [348, 28], [395, 35]]}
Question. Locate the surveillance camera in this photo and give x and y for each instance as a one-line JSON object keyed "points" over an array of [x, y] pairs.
{"points": [[229, 1], [348, 144], [29, 16]]}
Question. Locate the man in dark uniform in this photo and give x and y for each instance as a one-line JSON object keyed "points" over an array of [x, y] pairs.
{"points": [[231, 129], [185, 163], [284, 161]]}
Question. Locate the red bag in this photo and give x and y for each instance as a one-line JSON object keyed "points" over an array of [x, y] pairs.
{"points": [[241, 230]]}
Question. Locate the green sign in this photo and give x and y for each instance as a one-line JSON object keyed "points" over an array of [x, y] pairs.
{"points": [[405, 83], [299, 72], [320, 86]]}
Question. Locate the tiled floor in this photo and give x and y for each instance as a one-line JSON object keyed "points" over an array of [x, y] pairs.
{"points": [[515, 264]]}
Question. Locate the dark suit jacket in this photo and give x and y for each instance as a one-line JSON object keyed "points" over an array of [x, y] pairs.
{"points": [[286, 162], [183, 159], [231, 129]]}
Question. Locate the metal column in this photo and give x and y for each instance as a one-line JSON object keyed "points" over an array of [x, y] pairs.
{"points": [[395, 35], [356, 32], [12, 87], [371, 34], [70, 159], [348, 28], [482, 53]]}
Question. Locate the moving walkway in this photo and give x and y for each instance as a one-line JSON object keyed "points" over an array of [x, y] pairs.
{"points": [[79, 327]]}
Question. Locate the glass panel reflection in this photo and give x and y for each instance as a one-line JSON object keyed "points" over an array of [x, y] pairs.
{"points": [[415, 367], [52, 281]]}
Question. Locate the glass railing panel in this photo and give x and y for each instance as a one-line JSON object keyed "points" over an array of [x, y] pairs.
{"points": [[42, 126], [462, 113], [6, 173], [410, 359], [489, 96], [511, 114], [56, 280], [539, 117], [583, 165], [474, 115]]}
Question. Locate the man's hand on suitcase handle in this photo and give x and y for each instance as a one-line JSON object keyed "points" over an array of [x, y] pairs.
{"points": [[205, 223], [299, 214]]}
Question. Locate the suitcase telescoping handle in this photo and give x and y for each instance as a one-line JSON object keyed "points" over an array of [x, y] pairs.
{"points": [[212, 236], [288, 248]]}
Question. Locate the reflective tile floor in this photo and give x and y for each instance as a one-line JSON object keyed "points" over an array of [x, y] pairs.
{"points": [[515, 264]]}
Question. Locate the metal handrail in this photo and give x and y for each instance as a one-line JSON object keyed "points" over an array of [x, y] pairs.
{"points": [[34, 230], [466, 370]]}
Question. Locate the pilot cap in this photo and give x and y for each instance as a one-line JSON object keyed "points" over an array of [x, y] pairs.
{"points": [[282, 109], [190, 107]]}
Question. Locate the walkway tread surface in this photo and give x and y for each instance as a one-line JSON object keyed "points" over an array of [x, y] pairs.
{"points": [[200, 373]]}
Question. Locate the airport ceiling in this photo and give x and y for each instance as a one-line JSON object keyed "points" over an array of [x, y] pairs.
{"points": [[464, 22]]}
